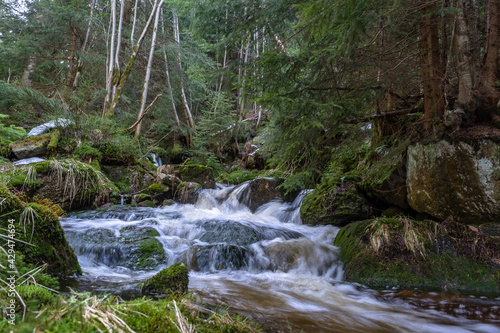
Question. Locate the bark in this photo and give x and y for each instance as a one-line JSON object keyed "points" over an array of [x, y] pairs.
{"points": [[169, 85], [26, 78], [119, 37], [432, 67], [110, 73], [488, 93], [79, 67], [71, 65], [466, 51], [110, 111], [148, 72], [185, 105]]}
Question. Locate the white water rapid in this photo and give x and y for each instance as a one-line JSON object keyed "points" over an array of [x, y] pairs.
{"points": [[266, 264]]}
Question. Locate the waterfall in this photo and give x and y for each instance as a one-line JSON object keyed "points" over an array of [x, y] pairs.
{"points": [[265, 263], [156, 159]]}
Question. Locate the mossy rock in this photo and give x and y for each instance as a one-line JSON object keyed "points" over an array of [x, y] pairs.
{"points": [[336, 202], [33, 146], [400, 252], [196, 173], [142, 197], [147, 203], [70, 183], [385, 177], [187, 192], [44, 232], [155, 189], [172, 279]]}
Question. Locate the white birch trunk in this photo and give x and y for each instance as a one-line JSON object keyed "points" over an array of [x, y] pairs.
{"points": [[133, 25], [84, 47], [185, 105], [148, 71], [110, 76]]}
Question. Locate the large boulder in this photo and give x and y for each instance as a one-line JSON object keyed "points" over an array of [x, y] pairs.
{"points": [[69, 183], [195, 173], [336, 202], [458, 179], [385, 178], [403, 253]]}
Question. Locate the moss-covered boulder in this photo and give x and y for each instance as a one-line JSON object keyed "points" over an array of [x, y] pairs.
{"points": [[172, 279], [33, 146], [69, 183], [399, 252], [187, 192], [128, 179], [196, 173], [36, 223], [336, 202], [385, 176], [459, 179]]}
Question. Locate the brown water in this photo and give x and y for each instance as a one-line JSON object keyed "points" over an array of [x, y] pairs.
{"points": [[266, 264]]}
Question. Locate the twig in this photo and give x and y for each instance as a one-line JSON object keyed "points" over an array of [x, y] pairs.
{"points": [[145, 111]]}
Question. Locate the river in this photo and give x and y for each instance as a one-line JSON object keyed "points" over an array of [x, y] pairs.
{"points": [[265, 264]]}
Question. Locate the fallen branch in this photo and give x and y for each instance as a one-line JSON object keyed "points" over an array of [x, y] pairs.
{"points": [[379, 115], [145, 111]]}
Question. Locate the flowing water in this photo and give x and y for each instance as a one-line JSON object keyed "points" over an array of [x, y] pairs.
{"points": [[265, 264]]}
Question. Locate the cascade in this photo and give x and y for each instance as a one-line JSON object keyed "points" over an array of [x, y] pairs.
{"points": [[264, 263]]}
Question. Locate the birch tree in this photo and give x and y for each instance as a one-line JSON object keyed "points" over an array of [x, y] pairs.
{"points": [[148, 71]]}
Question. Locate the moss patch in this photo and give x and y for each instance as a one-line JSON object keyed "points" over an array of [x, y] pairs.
{"points": [[196, 173], [399, 252], [172, 279]]}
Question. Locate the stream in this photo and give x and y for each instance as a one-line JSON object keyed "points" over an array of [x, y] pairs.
{"points": [[265, 264]]}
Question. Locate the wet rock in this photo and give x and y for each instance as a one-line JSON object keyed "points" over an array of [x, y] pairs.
{"points": [[456, 179], [260, 191], [187, 192], [135, 247], [35, 146], [172, 279], [238, 233], [221, 257]]}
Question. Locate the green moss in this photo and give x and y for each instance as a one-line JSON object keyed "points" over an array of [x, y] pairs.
{"points": [[150, 252], [33, 141], [154, 189], [238, 176], [335, 202], [399, 252], [196, 173], [87, 152], [142, 197], [40, 227], [54, 140], [172, 279], [35, 294], [147, 203]]}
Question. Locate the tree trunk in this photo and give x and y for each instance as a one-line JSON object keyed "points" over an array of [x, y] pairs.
{"points": [[467, 53], [110, 111], [148, 71], [111, 54], [169, 85], [432, 68], [84, 47], [488, 94], [69, 76], [185, 105]]}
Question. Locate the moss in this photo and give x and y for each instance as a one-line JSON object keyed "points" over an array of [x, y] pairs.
{"points": [[335, 202], [172, 279], [142, 197], [399, 252], [154, 189], [43, 231], [147, 203], [196, 173], [238, 176], [54, 140], [150, 252], [35, 294], [34, 141], [87, 153]]}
